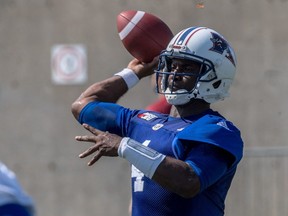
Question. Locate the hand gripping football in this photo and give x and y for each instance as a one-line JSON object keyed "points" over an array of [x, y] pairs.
{"points": [[142, 34]]}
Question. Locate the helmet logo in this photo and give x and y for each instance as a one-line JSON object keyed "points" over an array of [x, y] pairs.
{"points": [[220, 46]]}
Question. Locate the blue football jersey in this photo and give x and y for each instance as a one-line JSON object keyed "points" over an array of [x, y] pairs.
{"points": [[209, 143]]}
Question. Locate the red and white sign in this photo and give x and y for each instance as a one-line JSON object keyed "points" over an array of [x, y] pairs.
{"points": [[69, 64]]}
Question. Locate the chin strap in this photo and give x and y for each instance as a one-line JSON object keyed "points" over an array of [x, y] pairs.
{"points": [[179, 97]]}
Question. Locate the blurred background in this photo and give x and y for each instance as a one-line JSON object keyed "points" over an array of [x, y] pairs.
{"points": [[37, 128]]}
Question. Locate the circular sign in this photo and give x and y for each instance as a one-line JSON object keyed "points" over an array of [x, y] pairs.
{"points": [[68, 64]]}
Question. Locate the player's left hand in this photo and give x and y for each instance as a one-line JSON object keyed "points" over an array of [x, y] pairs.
{"points": [[105, 144]]}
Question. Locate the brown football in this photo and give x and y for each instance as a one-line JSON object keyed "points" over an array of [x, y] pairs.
{"points": [[142, 34]]}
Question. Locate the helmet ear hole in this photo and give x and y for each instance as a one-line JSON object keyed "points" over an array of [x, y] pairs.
{"points": [[217, 84]]}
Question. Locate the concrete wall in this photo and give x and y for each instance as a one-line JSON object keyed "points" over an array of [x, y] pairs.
{"points": [[37, 128]]}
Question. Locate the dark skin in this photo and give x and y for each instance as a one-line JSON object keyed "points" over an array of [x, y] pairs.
{"points": [[173, 174]]}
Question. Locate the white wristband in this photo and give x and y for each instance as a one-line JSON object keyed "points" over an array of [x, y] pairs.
{"points": [[130, 78], [142, 157]]}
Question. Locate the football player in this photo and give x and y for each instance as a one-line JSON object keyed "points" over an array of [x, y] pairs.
{"points": [[182, 163]]}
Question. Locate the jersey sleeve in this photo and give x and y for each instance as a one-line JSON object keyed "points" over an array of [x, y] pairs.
{"points": [[106, 117], [211, 145], [209, 163]]}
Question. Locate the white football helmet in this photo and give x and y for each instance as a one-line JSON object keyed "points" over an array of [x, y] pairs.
{"points": [[218, 65]]}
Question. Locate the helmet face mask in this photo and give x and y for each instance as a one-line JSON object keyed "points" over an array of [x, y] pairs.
{"points": [[183, 95], [217, 66]]}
